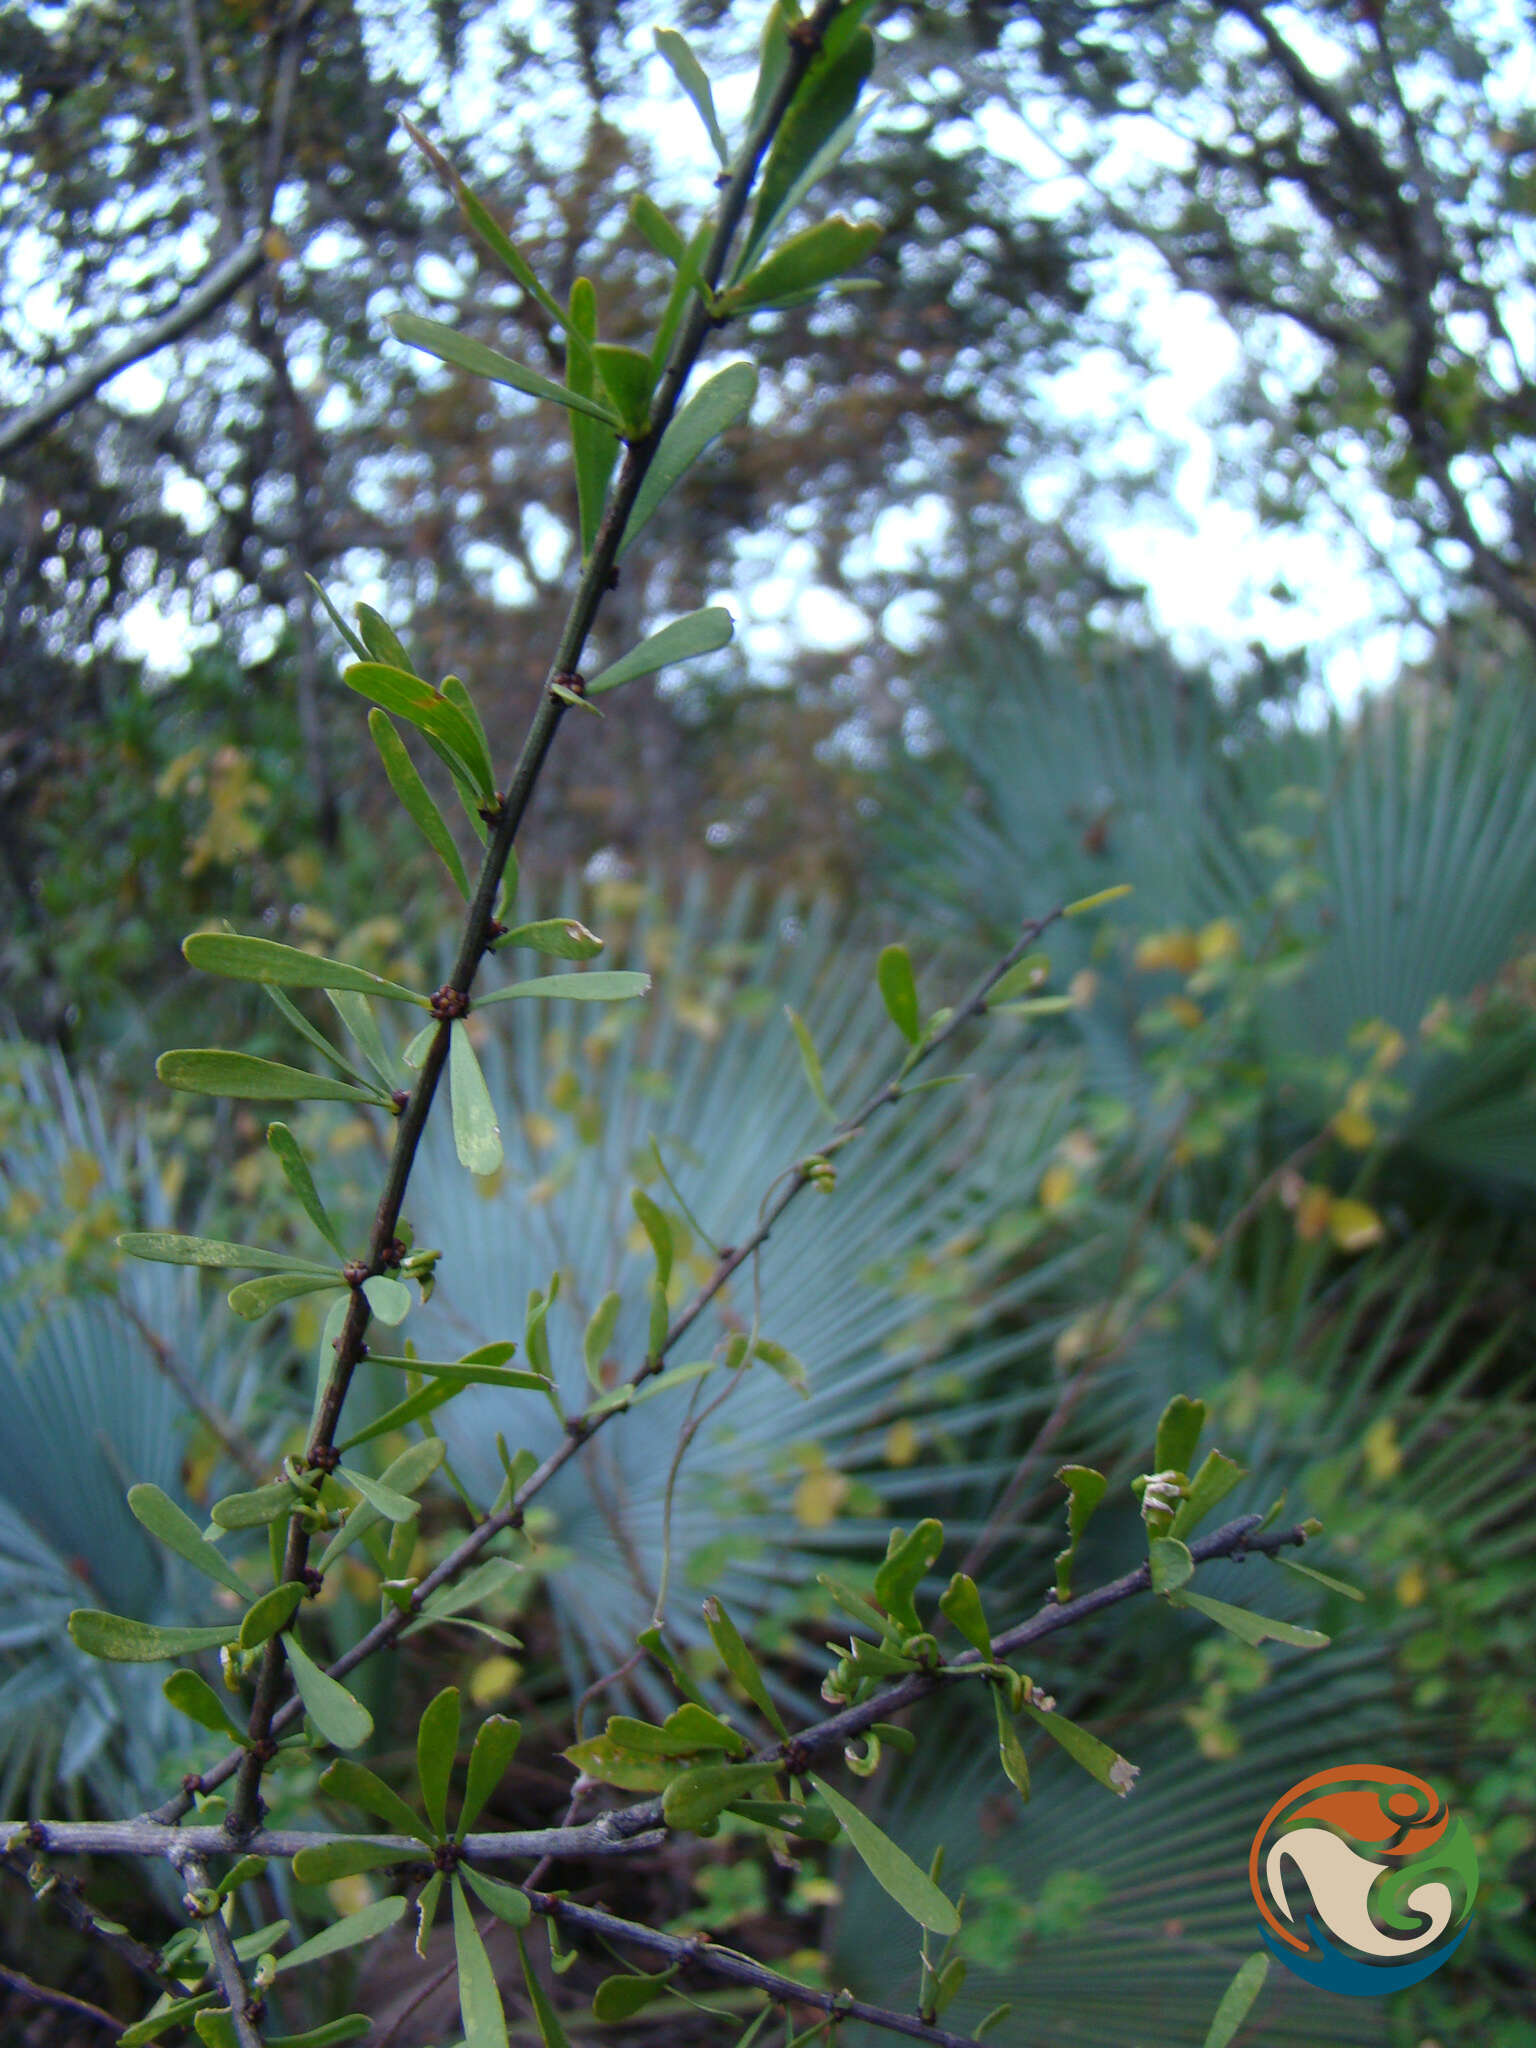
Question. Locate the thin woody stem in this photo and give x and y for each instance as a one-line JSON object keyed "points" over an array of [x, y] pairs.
{"points": [[245, 1806]]}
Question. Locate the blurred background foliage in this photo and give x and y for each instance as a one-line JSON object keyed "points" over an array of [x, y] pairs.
{"points": [[1278, 1149]]}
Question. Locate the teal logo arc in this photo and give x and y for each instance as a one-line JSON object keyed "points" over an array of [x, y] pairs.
{"points": [[1364, 1879]]}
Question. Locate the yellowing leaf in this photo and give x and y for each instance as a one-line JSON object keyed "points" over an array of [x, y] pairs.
{"points": [[1175, 952], [1058, 1184], [818, 1498], [1354, 1226], [1382, 1452], [902, 1443], [1411, 1587], [1219, 940]]}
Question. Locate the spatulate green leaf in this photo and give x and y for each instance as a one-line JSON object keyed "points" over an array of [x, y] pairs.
{"points": [[463, 353], [696, 633], [690, 75], [174, 1528], [339, 1718], [476, 1133], [437, 1742], [717, 404], [484, 2022], [265, 960], [891, 1867], [122, 1641], [208, 1071], [415, 798]]}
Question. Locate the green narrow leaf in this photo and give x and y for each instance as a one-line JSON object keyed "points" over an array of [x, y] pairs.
{"points": [[392, 1506], [907, 1562], [456, 693], [1096, 1758], [1307, 1571], [495, 1746], [1085, 1489], [462, 353], [264, 960], [381, 640], [253, 1510], [171, 1250], [166, 1522], [594, 446], [688, 282], [1249, 1627], [700, 632], [810, 1060], [603, 986], [599, 1334], [195, 1697], [1009, 1748], [340, 1720], [1237, 2001], [425, 1401], [663, 237], [485, 225], [546, 2019], [476, 1133], [690, 75], [295, 1016], [342, 1934], [696, 1797], [1211, 1484], [802, 265], [356, 1013], [961, 1603], [449, 732], [246, 1078], [358, 1786], [689, 1730], [485, 2024], [1178, 1434], [327, 1861], [121, 1641], [892, 1868], [156, 2023], [657, 1228], [253, 1299], [628, 377], [352, 2026], [465, 1373], [826, 99], [415, 798], [337, 620], [564, 938], [1086, 903], [898, 991], [740, 1663], [437, 1743], [298, 1176], [504, 1900], [274, 1610]]}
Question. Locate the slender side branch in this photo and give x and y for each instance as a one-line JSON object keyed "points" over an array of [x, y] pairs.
{"points": [[226, 1964], [218, 284], [153, 1838], [696, 1952]]}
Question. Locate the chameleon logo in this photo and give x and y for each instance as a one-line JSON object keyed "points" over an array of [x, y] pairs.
{"points": [[1363, 1878]]}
